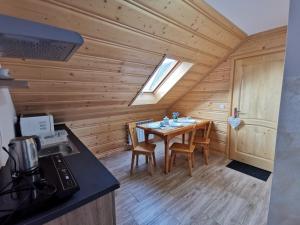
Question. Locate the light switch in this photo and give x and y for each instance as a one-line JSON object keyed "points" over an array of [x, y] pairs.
{"points": [[222, 106]]}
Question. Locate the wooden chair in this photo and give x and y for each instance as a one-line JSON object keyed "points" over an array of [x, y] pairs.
{"points": [[205, 141], [141, 148], [187, 149]]}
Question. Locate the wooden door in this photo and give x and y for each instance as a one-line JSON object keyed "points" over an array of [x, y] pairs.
{"points": [[256, 93]]}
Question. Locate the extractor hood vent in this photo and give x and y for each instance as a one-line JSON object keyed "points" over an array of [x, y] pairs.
{"points": [[30, 40]]}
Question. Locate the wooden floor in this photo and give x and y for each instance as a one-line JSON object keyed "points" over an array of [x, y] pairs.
{"points": [[215, 195]]}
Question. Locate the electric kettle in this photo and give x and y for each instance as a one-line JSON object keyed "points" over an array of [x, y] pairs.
{"points": [[24, 154]]}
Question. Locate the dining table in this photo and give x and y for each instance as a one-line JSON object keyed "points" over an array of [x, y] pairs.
{"points": [[170, 130]]}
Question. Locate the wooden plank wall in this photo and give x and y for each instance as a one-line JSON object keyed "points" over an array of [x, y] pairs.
{"points": [[124, 41], [211, 98]]}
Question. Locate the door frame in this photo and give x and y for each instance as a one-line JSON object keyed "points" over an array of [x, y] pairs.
{"points": [[233, 59]]}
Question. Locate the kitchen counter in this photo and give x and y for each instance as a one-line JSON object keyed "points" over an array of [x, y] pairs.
{"points": [[93, 178]]}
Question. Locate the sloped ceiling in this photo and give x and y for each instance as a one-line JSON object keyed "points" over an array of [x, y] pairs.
{"points": [[124, 41], [254, 16]]}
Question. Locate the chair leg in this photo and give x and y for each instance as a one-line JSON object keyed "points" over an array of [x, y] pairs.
{"points": [[205, 155], [154, 160], [174, 161], [193, 159], [146, 159], [150, 164], [137, 160], [190, 163], [132, 163], [148, 167], [207, 151], [171, 161]]}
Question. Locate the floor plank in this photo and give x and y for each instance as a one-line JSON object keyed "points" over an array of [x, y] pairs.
{"points": [[215, 195]]}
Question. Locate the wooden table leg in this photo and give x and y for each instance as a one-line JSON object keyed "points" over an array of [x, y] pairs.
{"points": [[183, 138], [146, 136], [166, 140]]}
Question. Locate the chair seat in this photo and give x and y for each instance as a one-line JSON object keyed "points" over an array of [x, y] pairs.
{"points": [[201, 140], [144, 147], [179, 147]]}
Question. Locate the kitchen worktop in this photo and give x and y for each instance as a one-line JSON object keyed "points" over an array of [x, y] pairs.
{"points": [[93, 178]]}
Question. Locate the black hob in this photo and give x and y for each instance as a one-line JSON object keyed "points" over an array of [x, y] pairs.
{"points": [[44, 188]]}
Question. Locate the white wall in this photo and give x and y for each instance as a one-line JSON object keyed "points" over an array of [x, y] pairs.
{"points": [[285, 194], [7, 117]]}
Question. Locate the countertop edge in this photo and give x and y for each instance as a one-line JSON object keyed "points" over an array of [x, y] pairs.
{"points": [[52, 215], [87, 200]]}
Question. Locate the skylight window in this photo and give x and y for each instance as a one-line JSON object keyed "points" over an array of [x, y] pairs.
{"points": [[163, 79], [160, 74]]}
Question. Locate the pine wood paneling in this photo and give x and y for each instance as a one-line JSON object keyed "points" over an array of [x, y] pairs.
{"points": [[124, 42], [105, 133], [211, 98], [189, 19]]}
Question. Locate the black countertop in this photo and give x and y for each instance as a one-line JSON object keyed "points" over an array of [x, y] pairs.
{"points": [[93, 178]]}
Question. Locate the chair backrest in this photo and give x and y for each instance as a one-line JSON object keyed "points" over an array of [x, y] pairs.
{"points": [[192, 134], [208, 130], [133, 134]]}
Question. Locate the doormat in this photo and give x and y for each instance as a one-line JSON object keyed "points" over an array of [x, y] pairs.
{"points": [[249, 170]]}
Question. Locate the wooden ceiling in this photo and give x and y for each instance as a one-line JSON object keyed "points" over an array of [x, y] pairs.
{"points": [[124, 42]]}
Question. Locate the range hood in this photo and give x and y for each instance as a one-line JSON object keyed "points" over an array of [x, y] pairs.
{"points": [[30, 40]]}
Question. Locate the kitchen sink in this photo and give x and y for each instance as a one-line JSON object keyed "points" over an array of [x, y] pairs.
{"points": [[65, 148]]}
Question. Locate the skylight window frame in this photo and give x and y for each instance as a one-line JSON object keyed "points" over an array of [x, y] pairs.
{"points": [[180, 69], [165, 77]]}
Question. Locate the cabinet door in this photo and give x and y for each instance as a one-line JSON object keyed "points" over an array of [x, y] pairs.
{"points": [[98, 212]]}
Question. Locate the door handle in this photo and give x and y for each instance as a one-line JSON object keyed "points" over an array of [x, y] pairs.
{"points": [[236, 112]]}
